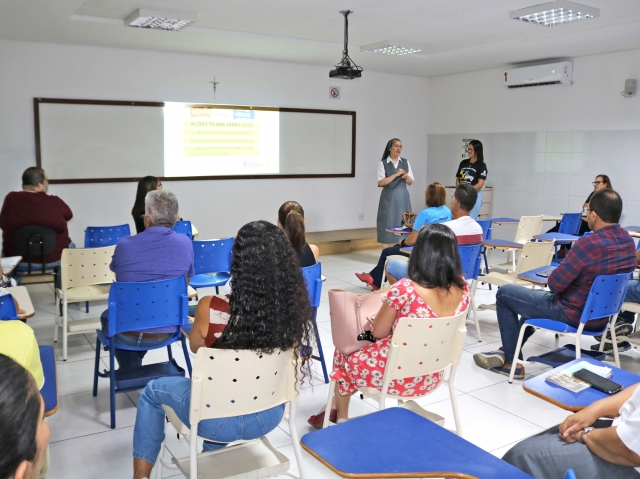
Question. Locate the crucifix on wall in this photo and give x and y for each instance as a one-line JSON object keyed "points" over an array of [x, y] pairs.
{"points": [[215, 85]]}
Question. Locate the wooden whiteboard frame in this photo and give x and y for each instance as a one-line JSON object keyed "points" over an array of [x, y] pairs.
{"points": [[36, 117]]}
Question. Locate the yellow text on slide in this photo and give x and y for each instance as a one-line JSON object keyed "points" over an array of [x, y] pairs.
{"points": [[212, 132], [221, 150], [221, 141]]}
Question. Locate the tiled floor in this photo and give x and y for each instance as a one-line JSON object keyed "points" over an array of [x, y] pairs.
{"points": [[495, 415]]}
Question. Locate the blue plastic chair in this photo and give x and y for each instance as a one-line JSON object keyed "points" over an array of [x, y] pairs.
{"points": [[99, 236], [136, 307], [605, 300], [487, 229], [212, 263], [570, 474], [471, 258], [569, 225], [313, 278], [7, 308], [184, 227]]}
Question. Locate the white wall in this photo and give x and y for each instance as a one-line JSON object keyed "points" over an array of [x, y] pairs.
{"points": [[386, 105], [543, 145]]}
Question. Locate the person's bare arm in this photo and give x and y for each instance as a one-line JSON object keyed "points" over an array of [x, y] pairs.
{"points": [[200, 325], [411, 239], [315, 250], [407, 178], [383, 321], [606, 444], [607, 407], [479, 185], [457, 181], [389, 179]]}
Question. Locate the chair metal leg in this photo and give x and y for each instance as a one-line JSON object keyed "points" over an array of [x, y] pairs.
{"points": [[614, 341], [327, 410], [516, 356], [87, 306], [56, 319], [185, 350], [474, 285], [64, 327], [296, 441], [319, 344], [169, 352], [97, 367], [193, 452], [112, 385], [161, 454], [454, 401], [486, 264]]}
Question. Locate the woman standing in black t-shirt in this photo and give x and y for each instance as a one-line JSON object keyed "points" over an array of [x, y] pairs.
{"points": [[473, 171]]}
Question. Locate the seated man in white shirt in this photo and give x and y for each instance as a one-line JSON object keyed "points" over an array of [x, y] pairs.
{"points": [[466, 229], [594, 449]]}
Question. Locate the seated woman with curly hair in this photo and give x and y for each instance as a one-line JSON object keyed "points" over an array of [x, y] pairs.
{"points": [[24, 434], [435, 288], [268, 309]]}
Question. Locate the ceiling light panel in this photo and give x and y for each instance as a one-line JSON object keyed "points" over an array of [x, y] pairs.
{"points": [[391, 47], [555, 13], [159, 20]]}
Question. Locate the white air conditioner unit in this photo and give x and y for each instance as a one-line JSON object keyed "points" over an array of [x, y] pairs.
{"points": [[560, 73]]}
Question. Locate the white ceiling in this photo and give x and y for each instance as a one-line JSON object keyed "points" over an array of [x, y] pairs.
{"points": [[460, 35]]}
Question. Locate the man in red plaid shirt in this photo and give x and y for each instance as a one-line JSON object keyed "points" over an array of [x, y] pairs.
{"points": [[609, 250]]}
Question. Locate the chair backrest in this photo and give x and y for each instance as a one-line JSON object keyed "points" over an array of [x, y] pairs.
{"points": [[148, 304], [7, 307], [313, 277], [486, 226], [528, 227], [534, 254], [212, 256], [471, 257], [33, 243], [605, 296], [86, 266], [96, 236], [570, 223], [570, 474], [184, 227], [421, 346], [228, 383]]}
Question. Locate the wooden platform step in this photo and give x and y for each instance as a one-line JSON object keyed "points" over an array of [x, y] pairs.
{"points": [[344, 241]]}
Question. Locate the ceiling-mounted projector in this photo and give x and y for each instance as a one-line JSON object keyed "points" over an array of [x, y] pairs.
{"points": [[346, 69]]}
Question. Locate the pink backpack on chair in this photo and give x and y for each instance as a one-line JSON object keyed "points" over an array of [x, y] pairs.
{"points": [[349, 312]]}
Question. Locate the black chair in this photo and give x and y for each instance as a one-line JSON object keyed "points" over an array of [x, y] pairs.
{"points": [[34, 243]]}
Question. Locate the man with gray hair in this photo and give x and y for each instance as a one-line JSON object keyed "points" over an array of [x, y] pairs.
{"points": [[156, 253]]}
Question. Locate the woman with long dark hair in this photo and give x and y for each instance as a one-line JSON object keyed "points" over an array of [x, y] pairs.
{"points": [[394, 174], [291, 221], [474, 172], [435, 288], [268, 309], [24, 434], [145, 185]]}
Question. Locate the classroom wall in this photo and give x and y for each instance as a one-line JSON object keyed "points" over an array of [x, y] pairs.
{"points": [[543, 145], [387, 106]]}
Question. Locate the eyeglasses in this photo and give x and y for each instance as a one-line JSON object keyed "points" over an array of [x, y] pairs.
{"points": [[596, 183], [587, 210]]}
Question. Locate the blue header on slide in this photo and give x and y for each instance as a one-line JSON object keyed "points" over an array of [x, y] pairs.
{"points": [[244, 114]]}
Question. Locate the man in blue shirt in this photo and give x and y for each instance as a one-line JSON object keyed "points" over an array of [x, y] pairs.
{"points": [[435, 212], [155, 254]]}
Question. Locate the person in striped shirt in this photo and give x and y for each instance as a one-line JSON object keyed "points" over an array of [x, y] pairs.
{"points": [[466, 229], [609, 250]]}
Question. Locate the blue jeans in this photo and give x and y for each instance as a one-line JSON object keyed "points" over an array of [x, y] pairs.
{"points": [[128, 359], [35, 267], [148, 433], [513, 300], [633, 296], [397, 268], [476, 208], [377, 272]]}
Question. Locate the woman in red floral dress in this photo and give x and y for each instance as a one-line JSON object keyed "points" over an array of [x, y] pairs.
{"points": [[435, 288]]}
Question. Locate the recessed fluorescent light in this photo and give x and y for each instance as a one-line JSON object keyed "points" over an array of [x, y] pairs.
{"points": [[391, 47], [555, 13], [159, 20]]}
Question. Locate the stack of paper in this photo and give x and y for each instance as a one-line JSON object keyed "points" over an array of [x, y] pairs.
{"points": [[565, 378]]}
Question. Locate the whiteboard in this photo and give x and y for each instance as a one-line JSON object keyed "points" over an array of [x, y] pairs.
{"points": [[101, 141]]}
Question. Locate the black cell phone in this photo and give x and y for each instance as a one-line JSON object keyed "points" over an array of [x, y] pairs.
{"points": [[545, 273], [598, 382]]}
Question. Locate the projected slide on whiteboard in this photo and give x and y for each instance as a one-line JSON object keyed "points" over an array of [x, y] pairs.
{"points": [[202, 141]]}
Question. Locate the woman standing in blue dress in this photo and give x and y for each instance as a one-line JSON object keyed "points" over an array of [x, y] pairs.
{"points": [[394, 174], [473, 171]]}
